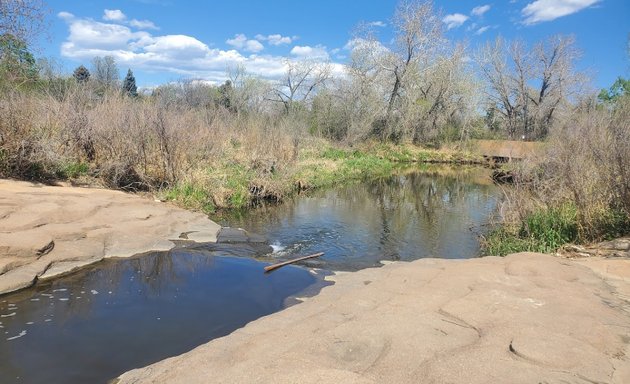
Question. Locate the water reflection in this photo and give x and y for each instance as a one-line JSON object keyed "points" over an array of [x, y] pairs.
{"points": [[93, 325], [434, 212]]}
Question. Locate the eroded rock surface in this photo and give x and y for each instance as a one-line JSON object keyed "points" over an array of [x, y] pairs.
{"points": [[525, 318], [46, 231]]}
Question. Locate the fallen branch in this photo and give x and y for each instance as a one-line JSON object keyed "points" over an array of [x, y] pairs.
{"points": [[270, 268]]}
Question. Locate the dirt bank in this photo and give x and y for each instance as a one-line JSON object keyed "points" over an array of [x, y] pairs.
{"points": [[525, 318], [46, 231]]}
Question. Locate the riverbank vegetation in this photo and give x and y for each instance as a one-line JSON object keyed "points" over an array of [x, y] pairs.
{"points": [[416, 98]]}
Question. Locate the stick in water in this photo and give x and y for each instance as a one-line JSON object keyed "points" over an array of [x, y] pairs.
{"points": [[270, 268]]}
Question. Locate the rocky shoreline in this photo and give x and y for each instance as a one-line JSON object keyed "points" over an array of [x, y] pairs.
{"points": [[525, 318], [46, 231]]}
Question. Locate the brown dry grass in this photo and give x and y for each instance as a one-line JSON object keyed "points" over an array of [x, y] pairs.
{"points": [[586, 164]]}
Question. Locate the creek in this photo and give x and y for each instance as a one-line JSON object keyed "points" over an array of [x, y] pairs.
{"points": [[120, 314]]}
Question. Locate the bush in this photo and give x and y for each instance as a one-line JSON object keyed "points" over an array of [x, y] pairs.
{"points": [[577, 191]]}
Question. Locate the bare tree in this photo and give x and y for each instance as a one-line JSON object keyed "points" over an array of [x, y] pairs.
{"points": [[24, 19], [248, 92], [556, 80], [105, 71], [439, 100], [418, 36], [528, 87], [300, 82]]}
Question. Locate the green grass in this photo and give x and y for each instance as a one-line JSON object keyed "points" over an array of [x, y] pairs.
{"points": [[230, 182], [191, 197], [348, 166], [543, 231], [72, 170]]}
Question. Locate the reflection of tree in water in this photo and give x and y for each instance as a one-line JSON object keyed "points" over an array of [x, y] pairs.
{"points": [[414, 214], [422, 200]]}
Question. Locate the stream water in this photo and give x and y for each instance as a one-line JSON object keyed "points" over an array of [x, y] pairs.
{"points": [[90, 326], [436, 212]]}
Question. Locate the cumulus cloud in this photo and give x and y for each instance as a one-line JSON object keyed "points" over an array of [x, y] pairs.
{"points": [[117, 16], [276, 39], [113, 15], [454, 20], [240, 41], [182, 55], [480, 10], [308, 52], [546, 10]]}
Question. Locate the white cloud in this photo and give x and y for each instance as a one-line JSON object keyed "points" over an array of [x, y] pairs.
{"points": [[240, 41], [377, 24], [547, 10], [65, 15], [480, 10], [276, 39], [482, 30], [113, 15], [254, 46], [317, 52], [143, 24], [180, 55], [455, 20]]}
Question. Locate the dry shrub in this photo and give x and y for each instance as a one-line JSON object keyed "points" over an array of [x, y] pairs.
{"points": [[587, 166], [142, 143], [28, 148]]}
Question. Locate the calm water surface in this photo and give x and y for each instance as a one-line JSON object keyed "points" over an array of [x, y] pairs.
{"points": [[437, 212], [93, 325], [123, 314]]}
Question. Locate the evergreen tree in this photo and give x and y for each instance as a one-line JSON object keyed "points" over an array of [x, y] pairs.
{"points": [[81, 74], [225, 96], [17, 63], [129, 85]]}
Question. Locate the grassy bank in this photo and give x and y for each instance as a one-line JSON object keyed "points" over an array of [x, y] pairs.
{"points": [[233, 185], [546, 230]]}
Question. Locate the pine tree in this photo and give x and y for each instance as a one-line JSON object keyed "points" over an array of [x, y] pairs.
{"points": [[81, 74], [129, 85]]}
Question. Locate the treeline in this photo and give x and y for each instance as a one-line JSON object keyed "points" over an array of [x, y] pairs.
{"points": [[418, 87]]}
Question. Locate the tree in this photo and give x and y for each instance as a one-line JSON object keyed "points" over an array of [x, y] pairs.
{"points": [[418, 36], [300, 83], [620, 88], [22, 19], [528, 86], [17, 63], [226, 92], [129, 85], [105, 71], [81, 74], [397, 70]]}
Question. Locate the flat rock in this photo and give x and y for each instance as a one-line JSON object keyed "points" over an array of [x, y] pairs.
{"points": [[525, 318], [46, 231]]}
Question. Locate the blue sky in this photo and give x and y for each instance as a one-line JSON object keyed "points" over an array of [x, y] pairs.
{"points": [[164, 40]]}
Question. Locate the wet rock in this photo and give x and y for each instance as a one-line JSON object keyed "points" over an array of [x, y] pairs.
{"points": [[238, 235], [46, 231]]}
